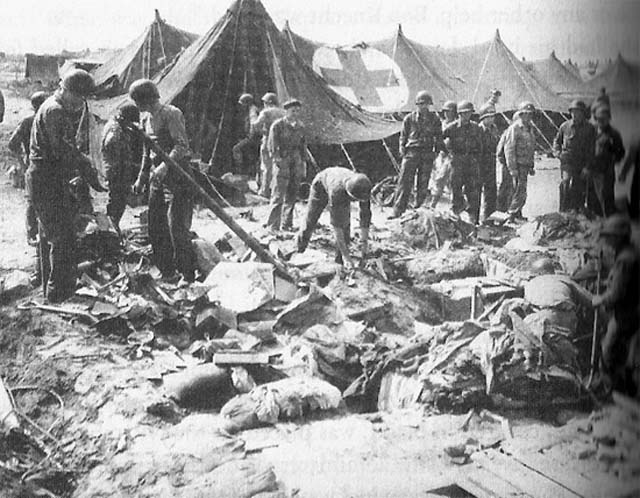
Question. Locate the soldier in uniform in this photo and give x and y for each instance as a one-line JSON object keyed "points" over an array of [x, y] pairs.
{"points": [[631, 165], [170, 198], [54, 159], [621, 298], [609, 150], [248, 115], [442, 166], [574, 145], [487, 185], [465, 143], [287, 145], [420, 139], [519, 148], [337, 187], [121, 155], [270, 113]]}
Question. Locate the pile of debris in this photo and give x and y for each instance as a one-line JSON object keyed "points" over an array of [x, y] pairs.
{"points": [[559, 229], [427, 228]]}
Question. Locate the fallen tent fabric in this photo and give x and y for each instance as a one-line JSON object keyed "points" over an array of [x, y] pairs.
{"points": [[144, 57], [245, 52], [558, 77]]}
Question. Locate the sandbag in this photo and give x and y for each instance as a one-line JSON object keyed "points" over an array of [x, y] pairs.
{"points": [[205, 385]]}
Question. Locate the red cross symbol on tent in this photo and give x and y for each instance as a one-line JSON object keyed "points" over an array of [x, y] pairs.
{"points": [[355, 75]]}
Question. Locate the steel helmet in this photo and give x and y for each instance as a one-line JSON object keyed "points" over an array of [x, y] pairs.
{"points": [[579, 105], [37, 99], [79, 82], [423, 97], [616, 225], [245, 99], [144, 91], [526, 106], [270, 98], [450, 105], [359, 187], [543, 266], [487, 111], [602, 110], [292, 103], [129, 112], [465, 106]]}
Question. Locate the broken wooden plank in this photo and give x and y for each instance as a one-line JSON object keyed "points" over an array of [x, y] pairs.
{"points": [[482, 483], [241, 358], [522, 477]]}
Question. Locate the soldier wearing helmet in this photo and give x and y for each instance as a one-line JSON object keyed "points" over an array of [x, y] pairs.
{"points": [[244, 150], [555, 298], [54, 159], [466, 145], [270, 113], [1, 107], [487, 184], [519, 148], [170, 198], [621, 297], [337, 187], [609, 151], [441, 174], [420, 141], [121, 157], [574, 145]]}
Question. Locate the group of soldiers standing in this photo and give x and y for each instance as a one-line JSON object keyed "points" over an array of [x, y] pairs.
{"points": [[462, 153]]}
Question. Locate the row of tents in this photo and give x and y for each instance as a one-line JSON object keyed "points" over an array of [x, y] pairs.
{"points": [[351, 94]]}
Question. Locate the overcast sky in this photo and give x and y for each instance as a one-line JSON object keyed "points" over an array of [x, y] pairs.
{"points": [[574, 28]]}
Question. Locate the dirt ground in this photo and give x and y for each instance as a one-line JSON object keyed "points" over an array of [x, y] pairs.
{"points": [[106, 396]]}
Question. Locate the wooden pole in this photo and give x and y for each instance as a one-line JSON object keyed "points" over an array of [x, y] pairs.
{"points": [[218, 210], [346, 154]]}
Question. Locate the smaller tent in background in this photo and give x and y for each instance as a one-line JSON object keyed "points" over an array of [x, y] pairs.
{"points": [[86, 64], [145, 57], [43, 68], [621, 79], [558, 77]]}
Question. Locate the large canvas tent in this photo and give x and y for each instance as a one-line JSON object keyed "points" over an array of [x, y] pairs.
{"points": [[382, 76], [245, 52], [144, 57], [621, 80], [558, 77]]}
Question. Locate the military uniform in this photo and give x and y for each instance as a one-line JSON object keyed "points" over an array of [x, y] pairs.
{"points": [[420, 139], [574, 144], [53, 162], [487, 185], [262, 126], [19, 145], [329, 188], [240, 150], [621, 298], [608, 151], [121, 155], [287, 146], [466, 145], [519, 148], [170, 200], [441, 175]]}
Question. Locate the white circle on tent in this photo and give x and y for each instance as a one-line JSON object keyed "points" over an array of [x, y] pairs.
{"points": [[363, 76]]}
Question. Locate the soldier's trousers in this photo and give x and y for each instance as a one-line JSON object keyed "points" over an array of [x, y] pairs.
{"points": [[117, 203], [170, 216], [318, 200], [572, 189], [287, 175], [487, 186], [464, 185], [54, 208], [266, 169], [519, 182], [602, 195], [505, 191], [615, 347], [415, 162], [242, 155]]}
